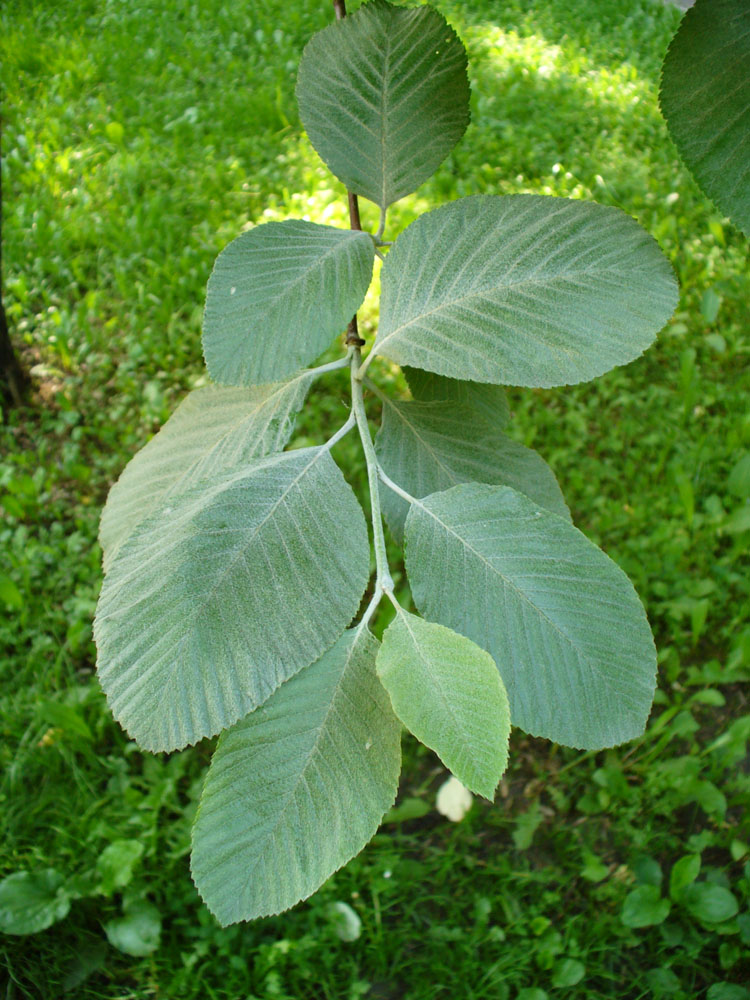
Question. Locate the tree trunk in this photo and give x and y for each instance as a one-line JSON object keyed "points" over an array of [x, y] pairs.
{"points": [[14, 381]]}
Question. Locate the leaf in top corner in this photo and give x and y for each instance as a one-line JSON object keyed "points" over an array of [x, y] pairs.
{"points": [[384, 96], [705, 99], [277, 297], [523, 290]]}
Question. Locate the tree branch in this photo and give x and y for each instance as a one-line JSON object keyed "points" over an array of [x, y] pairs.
{"points": [[353, 338]]}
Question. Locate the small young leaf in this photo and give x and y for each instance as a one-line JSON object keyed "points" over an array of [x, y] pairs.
{"points": [[712, 904], [213, 430], [684, 873], [644, 907], [561, 620], [448, 693], [32, 901], [568, 972], [115, 864], [277, 297], [705, 99], [138, 931], [207, 607], [384, 96], [523, 290], [298, 787], [486, 401], [428, 447]]}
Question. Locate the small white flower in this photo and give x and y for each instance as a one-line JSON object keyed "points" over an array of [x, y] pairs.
{"points": [[453, 800]]}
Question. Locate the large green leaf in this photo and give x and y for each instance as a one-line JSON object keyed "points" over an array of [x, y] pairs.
{"points": [[488, 402], [523, 290], [384, 96], [561, 620], [226, 591], [298, 787], [705, 98], [428, 447], [448, 693], [277, 297], [32, 901], [213, 430]]}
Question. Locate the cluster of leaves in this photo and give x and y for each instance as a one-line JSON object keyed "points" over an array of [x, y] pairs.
{"points": [[234, 568], [682, 540]]}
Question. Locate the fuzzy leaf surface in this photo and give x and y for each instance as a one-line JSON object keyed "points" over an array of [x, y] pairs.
{"points": [[384, 96], [488, 402], [207, 607], [449, 694], [523, 290], [298, 787], [213, 430], [277, 297], [429, 447], [561, 620], [705, 99]]}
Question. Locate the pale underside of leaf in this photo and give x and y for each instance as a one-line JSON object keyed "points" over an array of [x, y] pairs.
{"points": [[705, 99], [561, 620], [384, 96], [207, 607], [277, 297], [429, 447], [298, 787], [523, 290], [449, 694], [213, 430], [488, 402]]}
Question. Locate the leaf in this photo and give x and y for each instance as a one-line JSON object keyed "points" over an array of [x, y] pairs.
{"points": [[448, 693], [523, 290], [727, 991], [410, 808], [277, 297], [561, 620], [213, 430], [298, 787], [428, 447], [115, 864], [10, 595], [208, 606], [384, 96], [713, 904], [487, 402], [568, 972], [138, 932], [705, 99], [684, 873], [32, 901], [644, 907]]}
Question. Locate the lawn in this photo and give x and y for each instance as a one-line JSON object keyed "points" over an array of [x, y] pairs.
{"points": [[138, 139]]}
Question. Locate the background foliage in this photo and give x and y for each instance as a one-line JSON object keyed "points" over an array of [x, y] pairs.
{"points": [[139, 139]]}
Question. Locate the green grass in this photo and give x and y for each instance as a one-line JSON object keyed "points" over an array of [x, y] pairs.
{"points": [[138, 139]]}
